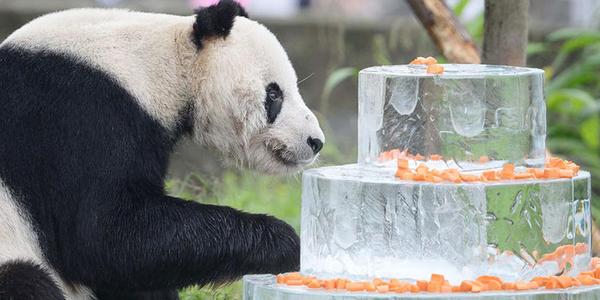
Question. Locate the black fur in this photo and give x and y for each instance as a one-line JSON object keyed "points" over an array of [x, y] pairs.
{"points": [[157, 295], [216, 20], [22, 280], [88, 165]]}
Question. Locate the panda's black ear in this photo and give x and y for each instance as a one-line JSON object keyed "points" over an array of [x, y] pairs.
{"points": [[216, 20]]}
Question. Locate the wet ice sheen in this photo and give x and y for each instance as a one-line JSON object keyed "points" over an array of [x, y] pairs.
{"points": [[468, 112], [363, 223]]}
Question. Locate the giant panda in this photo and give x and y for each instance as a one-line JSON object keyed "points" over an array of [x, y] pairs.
{"points": [[92, 102]]}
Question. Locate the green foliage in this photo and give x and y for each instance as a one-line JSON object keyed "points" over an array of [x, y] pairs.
{"points": [[572, 97]]}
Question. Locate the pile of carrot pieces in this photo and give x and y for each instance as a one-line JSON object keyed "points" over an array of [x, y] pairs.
{"points": [[438, 284], [432, 66], [555, 168]]}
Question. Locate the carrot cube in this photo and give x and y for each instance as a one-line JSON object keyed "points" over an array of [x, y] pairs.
{"points": [[520, 286], [508, 171], [435, 157], [551, 173], [434, 286], [435, 69], [541, 280], [587, 280], [294, 282], [524, 176], [597, 273], [281, 279], [402, 164], [341, 284], [418, 61], [564, 281], [430, 60], [437, 278], [422, 284], [552, 283], [489, 175], [484, 159], [446, 289], [370, 287], [329, 284], [384, 288], [566, 173], [314, 284], [509, 286], [415, 288], [468, 177], [355, 286]]}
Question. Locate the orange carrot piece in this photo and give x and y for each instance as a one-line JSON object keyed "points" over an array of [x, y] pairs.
{"points": [[552, 283], [575, 281], [422, 284], [341, 284], [533, 285], [446, 289], [541, 280], [402, 164], [434, 287], [435, 157], [384, 288], [370, 287], [468, 177], [477, 287], [564, 281], [329, 284], [484, 159], [587, 280], [508, 171], [415, 288], [551, 173], [597, 273], [378, 281], [294, 275], [419, 157], [437, 278], [294, 282], [418, 177], [524, 176], [422, 169], [466, 286], [418, 61], [521, 286], [354, 286], [456, 289], [567, 173], [489, 175], [430, 60], [435, 69], [509, 286], [314, 284], [281, 279]]}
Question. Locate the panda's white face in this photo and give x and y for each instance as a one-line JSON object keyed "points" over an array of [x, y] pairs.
{"points": [[248, 105]]}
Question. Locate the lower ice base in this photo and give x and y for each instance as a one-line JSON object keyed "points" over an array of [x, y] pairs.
{"points": [[264, 287]]}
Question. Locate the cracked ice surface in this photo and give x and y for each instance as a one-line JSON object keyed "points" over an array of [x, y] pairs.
{"points": [[362, 222], [468, 112]]}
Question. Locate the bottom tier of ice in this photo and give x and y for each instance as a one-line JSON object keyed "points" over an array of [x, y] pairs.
{"points": [[364, 223]]}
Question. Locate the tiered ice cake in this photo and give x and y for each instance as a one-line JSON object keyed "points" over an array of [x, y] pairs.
{"points": [[362, 221]]}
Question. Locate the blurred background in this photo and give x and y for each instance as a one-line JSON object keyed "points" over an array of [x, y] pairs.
{"points": [[328, 41]]}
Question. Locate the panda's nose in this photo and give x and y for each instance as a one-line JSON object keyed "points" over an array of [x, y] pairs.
{"points": [[315, 144]]}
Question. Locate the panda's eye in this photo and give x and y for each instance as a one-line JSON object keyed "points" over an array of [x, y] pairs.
{"points": [[273, 102]]}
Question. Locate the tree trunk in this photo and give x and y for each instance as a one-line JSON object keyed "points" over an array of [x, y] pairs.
{"points": [[446, 31], [505, 32]]}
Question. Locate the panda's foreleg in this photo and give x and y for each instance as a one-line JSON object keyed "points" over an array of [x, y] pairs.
{"points": [[165, 242], [24, 280]]}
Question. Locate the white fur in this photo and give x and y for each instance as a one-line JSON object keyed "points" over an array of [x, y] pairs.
{"points": [[154, 58], [233, 74], [138, 49], [18, 241]]}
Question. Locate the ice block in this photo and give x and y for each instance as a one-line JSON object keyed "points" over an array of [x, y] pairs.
{"points": [[362, 223], [467, 113]]}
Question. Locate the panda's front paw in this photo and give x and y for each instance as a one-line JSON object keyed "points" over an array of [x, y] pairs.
{"points": [[281, 247]]}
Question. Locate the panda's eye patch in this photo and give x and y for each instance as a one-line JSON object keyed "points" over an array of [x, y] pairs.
{"points": [[273, 102]]}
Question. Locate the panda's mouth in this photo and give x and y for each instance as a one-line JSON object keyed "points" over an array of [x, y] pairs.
{"points": [[284, 156]]}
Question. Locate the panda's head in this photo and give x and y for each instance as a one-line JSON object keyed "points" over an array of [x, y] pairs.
{"points": [[246, 101]]}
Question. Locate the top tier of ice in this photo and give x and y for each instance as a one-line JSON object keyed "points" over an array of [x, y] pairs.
{"points": [[472, 116]]}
